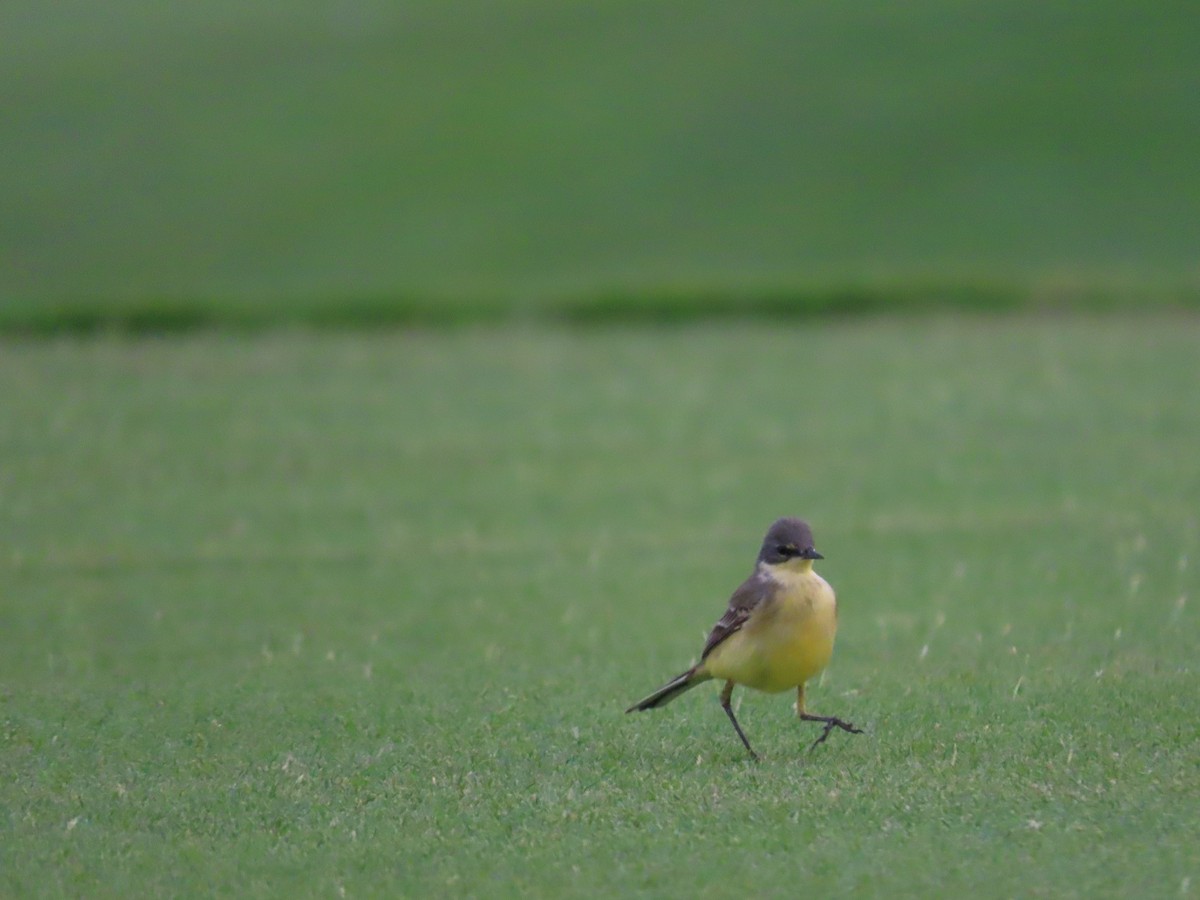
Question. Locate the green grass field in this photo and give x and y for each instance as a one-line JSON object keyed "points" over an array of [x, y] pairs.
{"points": [[358, 614], [391, 394], [230, 156]]}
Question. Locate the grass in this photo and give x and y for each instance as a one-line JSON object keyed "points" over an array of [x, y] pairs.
{"points": [[658, 307], [235, 154], [324, 613]]}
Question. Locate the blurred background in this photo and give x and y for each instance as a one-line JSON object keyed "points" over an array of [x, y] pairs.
{"points": [[250, 153]]}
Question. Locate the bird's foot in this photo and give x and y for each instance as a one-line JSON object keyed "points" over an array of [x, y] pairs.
{"points": [[831, 722]]}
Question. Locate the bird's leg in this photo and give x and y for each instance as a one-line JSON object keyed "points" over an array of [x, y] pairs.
{"points": [[726, 695], [831, 722]]}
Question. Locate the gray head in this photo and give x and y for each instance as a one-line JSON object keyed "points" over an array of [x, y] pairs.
{"points": [[788, 539]]}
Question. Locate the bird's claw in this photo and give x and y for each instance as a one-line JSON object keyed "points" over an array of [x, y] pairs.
{"points": [[831, 722]]}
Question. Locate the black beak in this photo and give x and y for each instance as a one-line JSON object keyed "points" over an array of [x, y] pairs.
{"points": [[811, 553]]}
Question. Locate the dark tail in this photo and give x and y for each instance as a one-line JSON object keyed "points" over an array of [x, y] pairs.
{"points": [[672, 689]]}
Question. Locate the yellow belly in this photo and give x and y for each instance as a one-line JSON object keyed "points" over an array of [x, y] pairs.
{"points": [[785, 643]]}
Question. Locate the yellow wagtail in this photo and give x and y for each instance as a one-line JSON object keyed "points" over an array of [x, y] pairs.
{"points": [[776, 634]]}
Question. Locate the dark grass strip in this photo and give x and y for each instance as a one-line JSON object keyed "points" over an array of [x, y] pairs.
{"points": [[601, 308]]}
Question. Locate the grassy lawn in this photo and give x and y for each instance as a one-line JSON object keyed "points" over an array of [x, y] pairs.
{"points": [[239, 154], [323, 613]]}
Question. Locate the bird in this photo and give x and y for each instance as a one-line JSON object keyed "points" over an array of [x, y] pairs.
{"points": [[776, 634]]}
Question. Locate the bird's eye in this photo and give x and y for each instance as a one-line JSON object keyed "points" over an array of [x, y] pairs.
{"points": [[787, 550]]}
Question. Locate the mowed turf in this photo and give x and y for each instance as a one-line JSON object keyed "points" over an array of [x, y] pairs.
{"points": [[316, 614], [231, 156]]}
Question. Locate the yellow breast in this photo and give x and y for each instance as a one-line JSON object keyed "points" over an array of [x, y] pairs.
{"points": [[787, 640]]}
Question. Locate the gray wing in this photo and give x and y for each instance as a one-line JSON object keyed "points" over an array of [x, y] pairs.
{"points": [[752, 593]]}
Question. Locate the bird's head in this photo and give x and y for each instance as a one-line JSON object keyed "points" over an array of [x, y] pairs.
{"points": [[787, 540]]}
